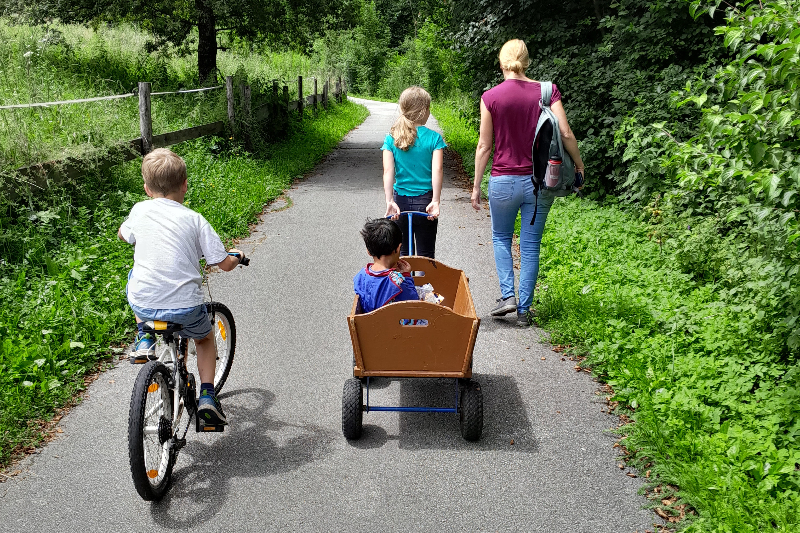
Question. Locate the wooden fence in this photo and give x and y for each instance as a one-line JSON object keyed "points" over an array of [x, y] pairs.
{"points": [[278, 107]]}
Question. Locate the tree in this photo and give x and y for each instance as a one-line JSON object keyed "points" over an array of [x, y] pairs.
{"points": [[174, 21]]}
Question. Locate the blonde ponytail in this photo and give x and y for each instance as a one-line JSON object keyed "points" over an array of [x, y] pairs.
{"points": [[415, 104]]}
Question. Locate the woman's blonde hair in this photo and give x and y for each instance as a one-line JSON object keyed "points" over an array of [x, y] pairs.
{"points": [[514, 56], [415, 103]]}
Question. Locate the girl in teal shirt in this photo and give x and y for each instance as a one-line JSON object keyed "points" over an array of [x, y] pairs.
{"points": [[412, 170]]}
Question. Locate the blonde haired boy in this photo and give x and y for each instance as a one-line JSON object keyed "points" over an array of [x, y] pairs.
{"points": [[166, 278]]}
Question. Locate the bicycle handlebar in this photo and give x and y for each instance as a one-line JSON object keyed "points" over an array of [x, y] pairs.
{"points": [[244, 261]]}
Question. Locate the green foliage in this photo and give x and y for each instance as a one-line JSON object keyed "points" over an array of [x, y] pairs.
{"points": [[736, 179], [422, 61], [198, 26], [715, 406], [359, 53]]}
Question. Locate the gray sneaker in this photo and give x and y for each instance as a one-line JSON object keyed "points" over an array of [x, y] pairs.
{"points": [[523, 319], [504, 306]]}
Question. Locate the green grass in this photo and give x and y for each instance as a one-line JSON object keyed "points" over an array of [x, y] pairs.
{"points": [[65, 62], [715, 408], [63, 270]]}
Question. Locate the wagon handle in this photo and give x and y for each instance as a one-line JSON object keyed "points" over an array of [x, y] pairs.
{"points": [[410, 233]]}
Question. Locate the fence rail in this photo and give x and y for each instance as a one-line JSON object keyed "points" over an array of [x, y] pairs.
{"points": [[101, 98], [43, 175]]}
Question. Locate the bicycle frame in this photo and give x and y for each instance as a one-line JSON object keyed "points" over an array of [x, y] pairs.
{"points": [[173, 356]]}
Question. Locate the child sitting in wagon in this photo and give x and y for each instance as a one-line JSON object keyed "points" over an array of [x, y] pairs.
{"points": [[388, 278]]}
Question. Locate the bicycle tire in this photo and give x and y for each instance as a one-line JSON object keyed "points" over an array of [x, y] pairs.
{"points": [[149, 435], [225, 339]]}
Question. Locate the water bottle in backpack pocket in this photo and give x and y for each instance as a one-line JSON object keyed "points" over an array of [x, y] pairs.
{"points": [[552, 174]]}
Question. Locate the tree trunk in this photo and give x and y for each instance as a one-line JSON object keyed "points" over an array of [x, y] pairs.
{"points": [[207, 42]]}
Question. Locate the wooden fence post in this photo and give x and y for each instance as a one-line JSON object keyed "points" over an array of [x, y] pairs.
{"points": [[325, 95], [145, 119], [285, 105], [339, 90], [229, 94], [300, 96], [316, 97], [274, 108], [246, 118]]}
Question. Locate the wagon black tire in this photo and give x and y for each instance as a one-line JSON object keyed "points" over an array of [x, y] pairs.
{"points": [[150, 431], [224, 329], [470, 412], [352, 400]]}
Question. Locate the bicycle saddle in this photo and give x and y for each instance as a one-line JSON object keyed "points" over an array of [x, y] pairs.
{"points": [[159, 327]]}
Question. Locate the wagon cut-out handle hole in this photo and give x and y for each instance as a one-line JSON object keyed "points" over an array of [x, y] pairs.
{"points": [[418, 273], [414, 322]]}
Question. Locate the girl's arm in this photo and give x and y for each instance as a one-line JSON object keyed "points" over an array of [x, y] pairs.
{"points": [[437, 176], [482, 152], [567, 137], [388, 183]]}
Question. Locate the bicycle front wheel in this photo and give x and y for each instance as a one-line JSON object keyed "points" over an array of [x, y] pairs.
{"points": [[150, 431], [225, 339], [224, 329]]}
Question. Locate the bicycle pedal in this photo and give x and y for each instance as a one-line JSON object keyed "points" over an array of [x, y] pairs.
{"points": [[207, 428]]}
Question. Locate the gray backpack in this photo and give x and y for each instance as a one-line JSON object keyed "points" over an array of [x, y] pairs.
{"points": [[547, 149]]}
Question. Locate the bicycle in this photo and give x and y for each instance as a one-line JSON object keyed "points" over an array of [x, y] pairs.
{"points": [[163, 392]]}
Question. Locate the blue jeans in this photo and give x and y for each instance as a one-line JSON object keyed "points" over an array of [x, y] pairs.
{"points": [[509, 195]]}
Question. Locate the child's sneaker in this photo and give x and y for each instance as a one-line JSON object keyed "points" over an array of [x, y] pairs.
{"points": [[144, 349], [209, 410]]}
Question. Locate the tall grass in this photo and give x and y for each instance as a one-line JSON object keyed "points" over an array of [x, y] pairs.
{"points": [[65, 62]]}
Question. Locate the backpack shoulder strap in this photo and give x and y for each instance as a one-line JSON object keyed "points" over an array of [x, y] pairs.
{"points": [[547, 92]]}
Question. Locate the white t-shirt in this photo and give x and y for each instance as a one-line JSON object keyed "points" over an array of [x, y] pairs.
{"points": [[170, 239]]}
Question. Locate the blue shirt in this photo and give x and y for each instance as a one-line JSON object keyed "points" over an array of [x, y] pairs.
{"points": [[413, 168], [376, 289]]}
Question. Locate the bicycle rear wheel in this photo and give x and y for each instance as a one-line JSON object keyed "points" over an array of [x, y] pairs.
{"points": [[150, 431]]}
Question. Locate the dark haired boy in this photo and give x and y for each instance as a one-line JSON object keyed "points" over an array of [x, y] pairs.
{"points": [[388, 278]]}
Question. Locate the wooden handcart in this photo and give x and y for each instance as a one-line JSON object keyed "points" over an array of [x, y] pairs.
{"points": [[384, 347]]}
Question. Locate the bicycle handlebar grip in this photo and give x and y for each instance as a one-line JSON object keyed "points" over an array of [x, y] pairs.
{"points": [[244, 261]]}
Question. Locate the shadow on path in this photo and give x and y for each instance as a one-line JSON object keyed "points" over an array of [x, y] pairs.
{"points": [[253, 446], [505, 418]]}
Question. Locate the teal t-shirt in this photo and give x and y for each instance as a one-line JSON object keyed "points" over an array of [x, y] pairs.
{"points": [[413, 167]]}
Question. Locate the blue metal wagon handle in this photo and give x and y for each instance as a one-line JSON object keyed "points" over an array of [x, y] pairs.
{"points": [[410, 232]]}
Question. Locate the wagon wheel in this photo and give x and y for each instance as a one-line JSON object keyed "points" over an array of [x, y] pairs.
{"points": [[352, 400], [470, 411]]}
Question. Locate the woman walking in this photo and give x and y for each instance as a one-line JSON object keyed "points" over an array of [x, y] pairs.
{"points": [[509, 114], [412, 171]]}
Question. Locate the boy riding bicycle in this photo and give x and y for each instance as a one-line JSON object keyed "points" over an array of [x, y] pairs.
{"points": [[166, 278]]}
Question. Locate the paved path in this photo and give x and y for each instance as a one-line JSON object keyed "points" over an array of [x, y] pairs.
{"points": [[283, 463]]}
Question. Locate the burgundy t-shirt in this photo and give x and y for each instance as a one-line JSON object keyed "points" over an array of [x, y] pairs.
{"points": [[514, 105]]}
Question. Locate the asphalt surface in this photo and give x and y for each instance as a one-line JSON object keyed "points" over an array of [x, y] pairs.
{"points": [[545, 462]]}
